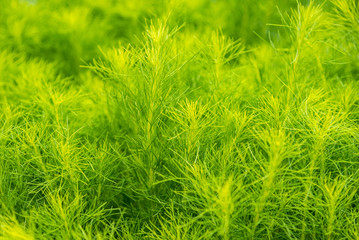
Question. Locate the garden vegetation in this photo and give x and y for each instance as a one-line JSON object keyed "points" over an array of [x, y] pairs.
{"points": [[175, 120]]}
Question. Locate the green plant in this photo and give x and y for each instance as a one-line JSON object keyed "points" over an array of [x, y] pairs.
{"points": [[179, 119]]}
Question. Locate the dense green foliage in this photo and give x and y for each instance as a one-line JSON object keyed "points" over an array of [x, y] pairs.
{"points": [[189, 119]]}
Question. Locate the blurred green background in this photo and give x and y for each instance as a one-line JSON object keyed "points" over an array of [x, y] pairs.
{"points": [[68, 32]]}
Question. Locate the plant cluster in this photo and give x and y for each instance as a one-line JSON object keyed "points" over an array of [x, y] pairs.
{"points": [[174, 120]]}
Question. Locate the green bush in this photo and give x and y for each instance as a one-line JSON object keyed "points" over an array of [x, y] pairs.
{"points": [[191, 119]]}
